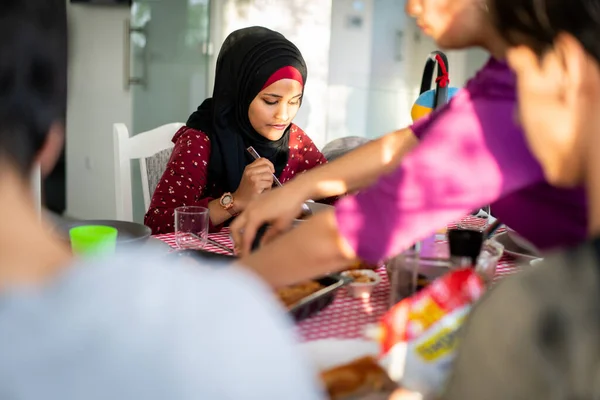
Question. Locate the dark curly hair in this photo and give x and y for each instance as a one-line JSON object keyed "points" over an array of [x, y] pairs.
{"points": [[33, 76], [536, 23]]}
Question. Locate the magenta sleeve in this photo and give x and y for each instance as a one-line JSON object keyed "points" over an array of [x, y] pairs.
{"points": [[471, 154]]}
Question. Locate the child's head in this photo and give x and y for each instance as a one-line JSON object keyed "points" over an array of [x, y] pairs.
{"points": [[453, 24], [555, 53], [33, 55]]}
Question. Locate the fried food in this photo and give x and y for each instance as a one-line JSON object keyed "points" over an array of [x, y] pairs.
{"points": [[359, 277], [359, 264], [358, 378], [290, 295]]}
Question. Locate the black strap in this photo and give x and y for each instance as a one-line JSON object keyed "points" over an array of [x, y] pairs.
{"points": [[441, 93]]}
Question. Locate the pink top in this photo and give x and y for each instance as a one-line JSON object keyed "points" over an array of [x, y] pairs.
{"points": [[185, 180], [471, 154]]}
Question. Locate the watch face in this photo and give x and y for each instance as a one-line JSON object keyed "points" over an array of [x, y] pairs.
{"points": [[226, 200]]}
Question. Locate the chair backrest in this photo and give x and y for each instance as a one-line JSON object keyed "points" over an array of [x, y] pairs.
{"points": [[152, 148], [338, 147]]}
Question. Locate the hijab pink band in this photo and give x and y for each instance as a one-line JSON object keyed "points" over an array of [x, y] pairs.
{"points": [[287, 72]]}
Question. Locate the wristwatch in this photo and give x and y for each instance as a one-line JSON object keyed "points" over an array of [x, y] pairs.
{"points": [[226, 202]]}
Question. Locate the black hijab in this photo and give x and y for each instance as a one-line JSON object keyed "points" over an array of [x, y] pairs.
{"points": [[246, 61]]}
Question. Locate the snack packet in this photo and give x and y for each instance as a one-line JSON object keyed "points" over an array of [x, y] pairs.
{"points": [[418, 336]]}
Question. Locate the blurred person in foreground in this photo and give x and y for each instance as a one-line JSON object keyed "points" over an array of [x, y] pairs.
{"points": [[127, 327], [537, 335]]}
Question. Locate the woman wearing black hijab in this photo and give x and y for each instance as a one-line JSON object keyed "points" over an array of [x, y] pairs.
{"points": [[259, 84]]}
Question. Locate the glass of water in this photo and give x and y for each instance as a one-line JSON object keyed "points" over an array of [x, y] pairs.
{"points": [[411, 271], [191, 227]]}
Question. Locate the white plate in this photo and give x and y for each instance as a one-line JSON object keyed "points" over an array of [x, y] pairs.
{"points": [[328, 353]]}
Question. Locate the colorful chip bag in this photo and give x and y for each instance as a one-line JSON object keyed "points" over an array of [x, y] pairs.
{"points": [[418, 336]]}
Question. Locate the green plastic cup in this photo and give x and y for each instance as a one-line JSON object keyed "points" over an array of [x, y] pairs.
{"points": [[93, 240]]}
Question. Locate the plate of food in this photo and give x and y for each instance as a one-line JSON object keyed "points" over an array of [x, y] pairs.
{"points": [[306, 299], [349, 369], [302, 300]]}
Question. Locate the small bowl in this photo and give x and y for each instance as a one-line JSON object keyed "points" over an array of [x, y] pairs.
{"points": [[361, 290]]}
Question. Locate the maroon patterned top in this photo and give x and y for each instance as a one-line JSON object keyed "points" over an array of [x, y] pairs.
{"points": [[185, 180]]}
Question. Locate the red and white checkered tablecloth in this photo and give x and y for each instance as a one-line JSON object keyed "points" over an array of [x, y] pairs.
{"points": [[221, 237], [346, 317]]}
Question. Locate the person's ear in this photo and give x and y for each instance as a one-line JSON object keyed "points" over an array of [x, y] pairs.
{"points": [[574, 63], [51, 149]]}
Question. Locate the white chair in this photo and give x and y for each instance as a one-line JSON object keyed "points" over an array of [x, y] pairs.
{"points": [[153, 147]]}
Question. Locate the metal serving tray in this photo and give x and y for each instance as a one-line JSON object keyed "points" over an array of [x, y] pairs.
{"points": [[306, 307], [318, 301]]}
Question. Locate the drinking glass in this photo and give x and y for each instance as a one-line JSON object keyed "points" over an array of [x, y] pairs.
{"points": [[411, 271], [402, 272], [191, 227]]}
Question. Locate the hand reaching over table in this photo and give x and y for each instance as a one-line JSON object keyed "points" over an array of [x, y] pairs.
{"points": [[278, 208], [354, 171]]}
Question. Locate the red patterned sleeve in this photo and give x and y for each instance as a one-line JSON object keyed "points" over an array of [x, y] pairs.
{"points": [[308, 154], [310, 157], [183, 183]]}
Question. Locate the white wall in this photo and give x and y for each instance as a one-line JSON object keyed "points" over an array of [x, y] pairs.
{"points": [[96, 100], [349, 68], [392, 88]]}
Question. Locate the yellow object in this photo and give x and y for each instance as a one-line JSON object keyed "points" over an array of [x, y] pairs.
{"points": [[419, 111]]}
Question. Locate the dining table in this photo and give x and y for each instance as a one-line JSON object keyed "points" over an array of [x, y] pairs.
{"points": [[346, 317]]}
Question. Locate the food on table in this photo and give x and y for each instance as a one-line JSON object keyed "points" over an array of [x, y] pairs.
{"points": [[418, 336], [362, 282], [359, 277], [290, 295], [357, 378], [359, 264]]}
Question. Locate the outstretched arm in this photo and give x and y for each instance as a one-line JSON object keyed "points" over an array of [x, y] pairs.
{"points": [[355, 170]]}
